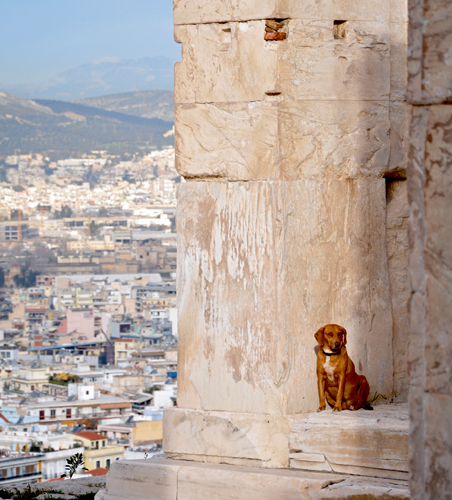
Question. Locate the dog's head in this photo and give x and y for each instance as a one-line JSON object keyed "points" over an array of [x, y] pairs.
{"points": [[333, 337]]}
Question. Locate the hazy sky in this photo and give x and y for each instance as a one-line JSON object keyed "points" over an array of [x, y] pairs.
{"points": [[40, 38]]}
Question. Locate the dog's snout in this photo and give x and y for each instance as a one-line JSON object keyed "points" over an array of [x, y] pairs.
{"points": [[337, 344]]}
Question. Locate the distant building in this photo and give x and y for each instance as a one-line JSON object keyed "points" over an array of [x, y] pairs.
{"points": [[20, 469], [29, 379], [98, 453], [124, 348], [44, 281], [81, 321], [135, 431]]}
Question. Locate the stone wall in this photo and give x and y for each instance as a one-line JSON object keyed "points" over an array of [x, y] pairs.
{"points": [[286, 222], [430, 195]]}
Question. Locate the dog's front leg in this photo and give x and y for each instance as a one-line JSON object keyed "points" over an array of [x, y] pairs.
{"points": [[321, 381], [340, 393]]}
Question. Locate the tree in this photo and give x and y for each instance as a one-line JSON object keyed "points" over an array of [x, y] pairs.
{"points": [[44, 253], [73, 463], [103, 212], [93, 229], [64, 213], [18, 280]]}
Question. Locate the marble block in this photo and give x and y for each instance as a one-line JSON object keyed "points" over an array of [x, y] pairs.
{"points": [[430, 59], [163, 479], [251, 439], [333, 139], [235, 141], [314, 65], [261, 266], [430, 196], [288, 140], [364, 10], [373, 443], [207, 11], [219, 63], [231, 62]]}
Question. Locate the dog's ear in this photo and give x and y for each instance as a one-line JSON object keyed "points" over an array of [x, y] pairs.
{"points": [[319, 335], [345, 335]]}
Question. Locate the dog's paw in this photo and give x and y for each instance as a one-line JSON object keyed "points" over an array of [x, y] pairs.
{"points": [[321, 408], [337, 408]]}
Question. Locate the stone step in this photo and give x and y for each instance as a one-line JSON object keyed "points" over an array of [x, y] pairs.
{"points": [[369, 443], [165, 479]]}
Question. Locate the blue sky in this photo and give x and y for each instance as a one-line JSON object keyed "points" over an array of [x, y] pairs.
{"points": [[40, 38]]}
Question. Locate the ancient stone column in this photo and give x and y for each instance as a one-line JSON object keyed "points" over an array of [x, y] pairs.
{"points": [[430, 193], [290, 126]]}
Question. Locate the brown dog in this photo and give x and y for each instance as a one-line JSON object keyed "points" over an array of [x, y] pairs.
{"points": [[338, 381]]}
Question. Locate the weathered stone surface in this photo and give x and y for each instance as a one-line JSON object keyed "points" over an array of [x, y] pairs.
{"points": [[142, 479], [219, 63], [399, 115], [206, 11], [222, 482], [227, 437], [286, 140], [333, 139], [236, 141], [438, 298], [185, 71], [417, 306], [364, 10], [397, 217], [438, 449], [438, 250], [399, 73], [314, 65], [430, 61], [263, 264], [399, 11], [373, 443], [430, 194], [284, 260]]}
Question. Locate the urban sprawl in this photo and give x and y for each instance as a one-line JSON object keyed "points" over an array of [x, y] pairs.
{"points": [[88, 319]]}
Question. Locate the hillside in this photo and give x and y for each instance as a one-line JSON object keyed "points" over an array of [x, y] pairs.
{"points": [[61, 107], [68, 128], [147, 104]]}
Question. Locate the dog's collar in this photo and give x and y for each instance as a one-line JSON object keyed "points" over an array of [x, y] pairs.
{"points": [[332, 353]]}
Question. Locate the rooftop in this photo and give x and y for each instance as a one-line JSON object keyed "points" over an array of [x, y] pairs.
{"points": [[92, 436]]}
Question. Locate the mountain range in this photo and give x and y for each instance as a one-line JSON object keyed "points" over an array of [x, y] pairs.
{"points": [[148, 104], [98, 78], [68, 128]]}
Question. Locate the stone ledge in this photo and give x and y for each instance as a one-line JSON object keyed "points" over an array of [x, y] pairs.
{"points": [[369, 443], [164, 479], [246, 439]]}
